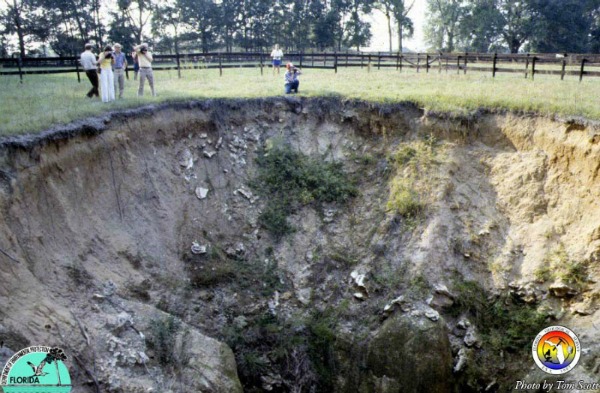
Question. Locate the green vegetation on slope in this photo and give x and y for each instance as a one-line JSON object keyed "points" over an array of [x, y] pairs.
{"points": [[507, 327], [416, 165], [558, 265], [45, 100], [292, 180]]}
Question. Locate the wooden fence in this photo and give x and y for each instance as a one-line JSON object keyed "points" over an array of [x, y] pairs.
{"points": [[529, 65]]}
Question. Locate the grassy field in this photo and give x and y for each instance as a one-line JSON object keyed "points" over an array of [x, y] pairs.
{"points": [[45, 100]]}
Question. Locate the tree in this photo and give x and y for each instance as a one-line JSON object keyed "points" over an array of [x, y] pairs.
{"points": [[229, 12], [4, 48], [325, 24], [444, 18], [398, 9], [517, 22], [21, 19], [166, 23], [72, 23], [562, 26], [299, 26], [138, 14], [202, 17], [594, 12], [353, 30], [121, 31], [481, 27]]}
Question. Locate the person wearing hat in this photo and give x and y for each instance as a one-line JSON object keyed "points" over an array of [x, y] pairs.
{"points": [[90, 65], [120, 65], [291, 78], [144, 58]]}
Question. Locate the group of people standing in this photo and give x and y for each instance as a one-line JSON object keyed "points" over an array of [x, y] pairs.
{"points": [[112, 66]]}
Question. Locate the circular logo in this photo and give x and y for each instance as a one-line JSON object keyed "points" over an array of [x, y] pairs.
{"points": [[36, 369], [556, 350]]}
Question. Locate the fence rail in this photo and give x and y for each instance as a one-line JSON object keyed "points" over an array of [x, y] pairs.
{"points": [[530, 65]]}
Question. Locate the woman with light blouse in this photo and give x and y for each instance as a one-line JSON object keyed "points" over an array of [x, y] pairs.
{"points": [[107, 79]]}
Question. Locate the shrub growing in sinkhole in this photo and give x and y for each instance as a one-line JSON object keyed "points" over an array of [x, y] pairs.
{"points": [[415, 164], [557, 264], [507, 327], [290, 180], [163, 340]]}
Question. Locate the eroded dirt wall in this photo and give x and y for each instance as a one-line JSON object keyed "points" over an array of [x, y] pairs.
{"points": [[99, 218]]}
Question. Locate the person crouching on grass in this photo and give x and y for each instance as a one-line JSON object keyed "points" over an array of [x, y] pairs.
{"points": [[291, 78]]}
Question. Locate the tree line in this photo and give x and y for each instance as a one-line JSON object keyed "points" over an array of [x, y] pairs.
{"points": [[542, 26], [38, 27], [65, 25]]}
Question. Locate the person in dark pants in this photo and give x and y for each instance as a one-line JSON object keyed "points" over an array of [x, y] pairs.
{"points": [[291, 79], [90, 65]]}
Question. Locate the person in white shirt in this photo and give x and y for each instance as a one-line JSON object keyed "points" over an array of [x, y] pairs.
{"points": [[144, 59], [90, 65], [277, 55]]}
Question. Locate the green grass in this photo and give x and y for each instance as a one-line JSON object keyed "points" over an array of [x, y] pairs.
{"points": [[44, 100]]}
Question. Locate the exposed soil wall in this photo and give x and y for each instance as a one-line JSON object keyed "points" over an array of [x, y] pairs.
{"points": [[98, 220]]}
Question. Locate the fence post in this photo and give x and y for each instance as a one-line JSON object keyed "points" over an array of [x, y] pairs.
{"points": [[77, 70], [20, 65], [369, 64], [398, 61], [378, 60], [427, 63], [361, 61], [418, 63], [440, 63], [220, 65], [347, 58], [335, 59], [178, 65], [581, 71], [564, 66], [447, 59], [301, 58], [465, 69], [261, 64], [526, 65], [533, 61], [458, 65], [494, 65]]}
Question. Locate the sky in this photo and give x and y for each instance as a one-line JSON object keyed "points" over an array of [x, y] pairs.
{"points": [[379, 42]]}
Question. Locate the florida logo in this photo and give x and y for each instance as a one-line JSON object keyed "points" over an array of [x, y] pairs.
{"points": [[36, 369], [556, 350]]}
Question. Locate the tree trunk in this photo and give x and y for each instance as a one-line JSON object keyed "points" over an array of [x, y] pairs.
{"points": [[515, 45], [97, 20], [400, 36], [450, 41], [389, 23], [141, 3], [19, 26]]}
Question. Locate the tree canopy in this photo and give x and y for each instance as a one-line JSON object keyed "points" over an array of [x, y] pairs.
{"points": [[28, 27]]}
